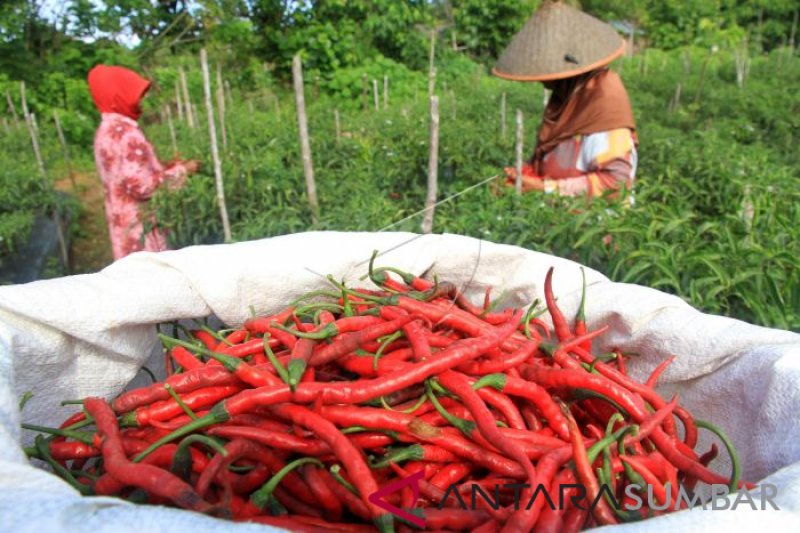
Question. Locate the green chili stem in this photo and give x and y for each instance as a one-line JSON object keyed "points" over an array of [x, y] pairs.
{"points": [[262, 495], [388, 340], [24, 400], [217, 415], [80, 436], [465, 426], [279, 368], [736, 465], [179, 401], [44, 454], [408, 411], [342, 481]]}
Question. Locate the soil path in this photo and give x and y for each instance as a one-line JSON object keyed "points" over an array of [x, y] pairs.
{"points": [[90, 250]]}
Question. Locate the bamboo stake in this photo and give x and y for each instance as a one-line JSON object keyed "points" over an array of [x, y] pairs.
{"points": [[212, 133], [433, 168], [520, 135], [676, 99], [229, 93], [431, 82], [172, 132], [195, 115], [179, 100], [187, 100], [386, 92], [503, 117], [375, 93], [29, 120], [12, 108], [431, 68], [64, 147], [364, 92], [305, 145], [337, 125], [221, 108]]}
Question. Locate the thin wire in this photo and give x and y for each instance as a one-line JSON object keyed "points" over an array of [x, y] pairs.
{"points": [[440, 202]]}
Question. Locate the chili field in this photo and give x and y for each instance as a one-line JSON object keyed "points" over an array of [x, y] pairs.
{"points": [[716, 213]]}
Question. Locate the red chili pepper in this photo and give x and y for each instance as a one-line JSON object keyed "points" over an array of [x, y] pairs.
{"points": [[349, 342], [151, 479], [353, 462], [168, 409], [583, 470], [186, 359], [580, 319], [181, 383], [559, 322], [322, 492], [261, 325]]}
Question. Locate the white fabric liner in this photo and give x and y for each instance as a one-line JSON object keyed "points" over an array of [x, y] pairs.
{"points": [[88, 335]]}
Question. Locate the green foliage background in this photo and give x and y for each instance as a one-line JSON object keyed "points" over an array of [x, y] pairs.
{"points": [[716, 206]]}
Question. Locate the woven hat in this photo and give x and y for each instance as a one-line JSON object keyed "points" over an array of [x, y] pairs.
{"points": [[558, 42]]}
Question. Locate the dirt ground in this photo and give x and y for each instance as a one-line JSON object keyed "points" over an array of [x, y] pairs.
{"points": [[90, 249]]}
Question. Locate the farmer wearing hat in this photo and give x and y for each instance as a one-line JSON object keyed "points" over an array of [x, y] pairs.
{"points": [[586, 143]]}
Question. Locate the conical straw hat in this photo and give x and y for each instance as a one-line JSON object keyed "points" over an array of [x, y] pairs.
{"points": [[558, 42]]}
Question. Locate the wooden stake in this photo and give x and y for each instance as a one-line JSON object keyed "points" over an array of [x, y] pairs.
{"points": [[431, 68], [12, 109], [212, 133], [503, 117], [64, 147], [187, 100], [221, 108], [29, 120], [386, 92], [305, 145], [172, 132], [433, 168], [229, 94], [337, 125], [520, 135], [364, 92], [375, 93], [195, 115], [676, 100], [431, 82], [178, 100]]}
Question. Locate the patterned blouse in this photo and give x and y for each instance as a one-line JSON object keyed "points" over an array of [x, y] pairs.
{"points": [[591, 164], [130, 172]]}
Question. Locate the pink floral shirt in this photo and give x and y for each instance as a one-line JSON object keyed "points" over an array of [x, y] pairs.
{"points": [[130, 172]]}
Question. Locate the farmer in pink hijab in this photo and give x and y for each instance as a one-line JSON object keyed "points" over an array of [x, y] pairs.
{"points": [[126, 161]]}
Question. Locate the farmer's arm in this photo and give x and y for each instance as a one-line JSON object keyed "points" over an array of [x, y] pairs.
{"points": [[610, 160], [142, 169]]}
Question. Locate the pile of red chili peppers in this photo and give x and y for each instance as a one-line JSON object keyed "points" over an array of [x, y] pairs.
{"points": [[295, 419]]}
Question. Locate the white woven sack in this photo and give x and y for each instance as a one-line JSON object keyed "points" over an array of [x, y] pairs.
{"points": [[88, 335]]}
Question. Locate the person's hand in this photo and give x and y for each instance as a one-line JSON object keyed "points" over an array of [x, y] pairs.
{"points": [[192, 166], [530, 181]]}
